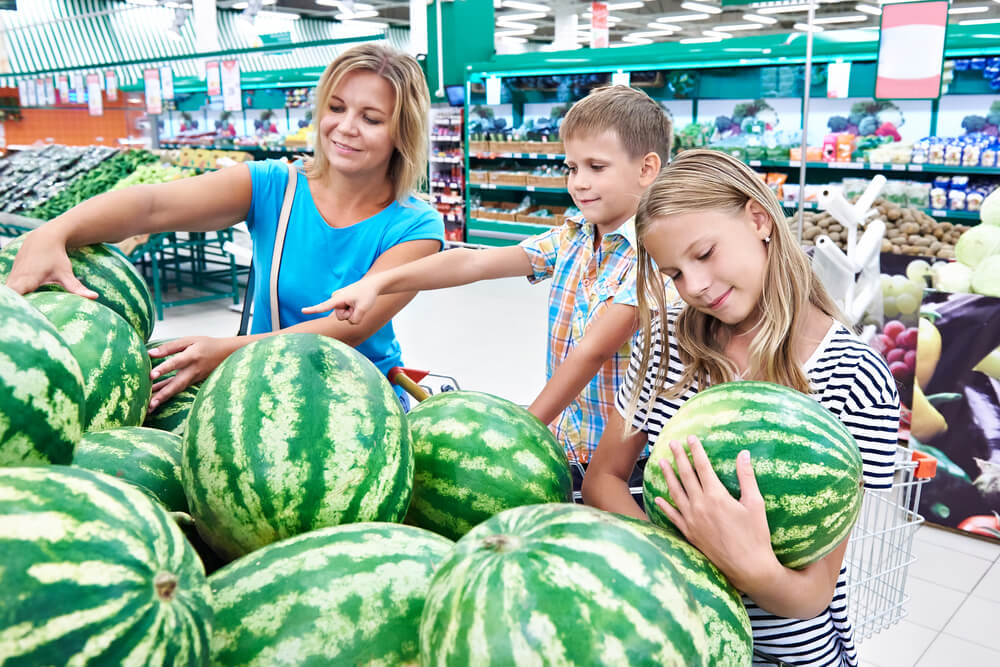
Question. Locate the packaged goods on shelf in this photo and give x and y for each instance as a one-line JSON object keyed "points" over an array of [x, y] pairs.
{"points": [[31, 177]]}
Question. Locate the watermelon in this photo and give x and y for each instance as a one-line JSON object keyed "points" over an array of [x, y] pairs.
{"points": [[345, 595], [559, 584], [807, 464], [41, 387], [476, 455], [94, 572], [727, 624], [292, 433], [145, 457], [104, 269], [112, 358]]}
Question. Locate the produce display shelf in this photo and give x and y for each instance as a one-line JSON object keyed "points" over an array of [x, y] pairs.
{"points": [[933, 212], [518, 156], [524, 188], [256, 150], [877, 166]]}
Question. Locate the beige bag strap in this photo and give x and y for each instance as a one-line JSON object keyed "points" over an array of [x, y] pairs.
{"points": [[279, 243]]}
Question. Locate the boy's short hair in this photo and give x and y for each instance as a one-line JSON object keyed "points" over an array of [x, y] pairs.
{"points": [[642, 125]]}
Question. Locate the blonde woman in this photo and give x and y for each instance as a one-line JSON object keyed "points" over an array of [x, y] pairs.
{"points": [[353, 213], [753, 310]]}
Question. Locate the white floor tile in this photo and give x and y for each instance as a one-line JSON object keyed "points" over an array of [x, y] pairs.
{"points": [[931, 605], [977, 620], [989, 587], [948, 650], [966, 544], [947, 567], [899, 646]]}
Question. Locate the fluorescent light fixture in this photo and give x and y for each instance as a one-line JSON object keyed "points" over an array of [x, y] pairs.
{"points": [[701, 7], [526, 6], [869, 9], [354, 16], [625, 5], [146, 3], [347, 9], [527, 16], [518, 26], [736, 27], [804, 27], [664, 26], [636, 40], [680, 18], [239, 5], [784, 9], [512, 39], [700, 40], [514, 33], [651, 33], [756, 18], [968, 10], [713, 33], [850, 18], [979, 22]]}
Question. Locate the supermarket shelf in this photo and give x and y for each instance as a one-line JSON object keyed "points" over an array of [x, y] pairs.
{"points": [[523, 188], [447, 160], [519, 156], [445, 138], [453, 185], [877, 166], [255, 150], [498, 232], [933, 212]]}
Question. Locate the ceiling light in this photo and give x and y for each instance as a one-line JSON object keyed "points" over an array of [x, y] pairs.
{"points": [[652, 33], [680, 18], [719, 35], [354, 16], [700, 40], [512, 38], [345, 7], [700, 7], [625, 5], [756, 18], [784, 9], [736, 27], [514, 33], [868, 9], [805, 27], [656, 25], [527, 16], [636, 40], [968, 10], [518, 26], [526, 6], [850, 18], [979, 22]]}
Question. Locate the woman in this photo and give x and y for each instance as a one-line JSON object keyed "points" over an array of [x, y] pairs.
{"points": [[353, 212]]}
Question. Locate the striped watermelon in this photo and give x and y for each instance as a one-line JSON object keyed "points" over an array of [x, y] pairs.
{"points": [[41, 387], [727, 624], [94, 572], [807, 463], [148, 458], [104, 269], [112, 358], [346, 595], [559, 584], [476, 455], [292, 433]]}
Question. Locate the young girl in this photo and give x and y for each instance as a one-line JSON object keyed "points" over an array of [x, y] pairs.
{"points": [[353, 212], [754, 310]]}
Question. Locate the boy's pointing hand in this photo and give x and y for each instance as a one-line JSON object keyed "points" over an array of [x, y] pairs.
{"points": [[349, 303]]}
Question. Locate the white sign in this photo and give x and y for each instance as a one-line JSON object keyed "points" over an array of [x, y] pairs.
{"points": [[29, 87], [231, 92], [50, 92], [212, 78], [22, 93], [151, 79], [111, 86], [95, 103], [620, 79], [79, 85], [62, 81], [167, 82], [838, 77], [40, 92], [493, 90], [598, 25]]}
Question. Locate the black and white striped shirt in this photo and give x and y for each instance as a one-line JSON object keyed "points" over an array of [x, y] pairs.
{"points": [[853, 382]]}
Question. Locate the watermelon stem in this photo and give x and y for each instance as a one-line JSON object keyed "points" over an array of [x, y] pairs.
{"points": [[501, 543], [165, 584]]}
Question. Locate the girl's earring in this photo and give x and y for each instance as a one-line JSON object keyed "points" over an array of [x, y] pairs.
{"points": [[767, 239]]}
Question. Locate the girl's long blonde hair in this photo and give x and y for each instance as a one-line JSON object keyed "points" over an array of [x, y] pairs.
{"points": [[707, 180], [408, 125]]}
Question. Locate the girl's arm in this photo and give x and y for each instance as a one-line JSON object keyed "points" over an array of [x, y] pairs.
{"points": [[605, 486], [734, 535]]}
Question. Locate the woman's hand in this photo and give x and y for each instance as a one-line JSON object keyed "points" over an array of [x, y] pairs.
{"points": [[195, 357], [349, 303], [732, 533], [42, 260]]}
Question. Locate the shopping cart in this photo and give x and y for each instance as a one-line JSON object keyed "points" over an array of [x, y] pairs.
{"points": [[410, 379], [880, 550]]}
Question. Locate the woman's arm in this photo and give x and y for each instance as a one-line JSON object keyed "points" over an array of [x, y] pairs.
{"points": [[605, 486], [204, 203]]}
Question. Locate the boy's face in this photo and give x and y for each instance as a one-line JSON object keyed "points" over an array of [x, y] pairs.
{"points": [[604, 180]]}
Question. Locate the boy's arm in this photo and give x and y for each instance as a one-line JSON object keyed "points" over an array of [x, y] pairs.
{"points": [[451, 268], [605, 336]]}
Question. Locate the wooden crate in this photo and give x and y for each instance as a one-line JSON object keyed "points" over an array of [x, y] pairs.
{"points": [[479, 176], [483, 213], [547, 181], [479, 147], [549, 147], [554, 220], [509, 177]]}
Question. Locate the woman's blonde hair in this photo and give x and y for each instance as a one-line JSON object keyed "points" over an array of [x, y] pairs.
{"points": [[408, 124], [705, 180]]}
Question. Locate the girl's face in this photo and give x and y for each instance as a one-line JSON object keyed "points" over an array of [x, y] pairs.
{"points": [[716, 259], [354, 129]]}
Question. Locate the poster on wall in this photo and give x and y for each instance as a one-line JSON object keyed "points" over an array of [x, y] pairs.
{"points": [[598, 25], [80, 87], [62, 83], [166, 83], [94, 101], [40, 92], [151, 80], [22, 93], [212, 78], [111, 86], [231, 92], [50, 92], [911, 50], [30, 93]]}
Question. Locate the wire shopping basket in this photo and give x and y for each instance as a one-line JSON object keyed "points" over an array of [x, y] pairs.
{"points": [[880, 550], [410, 379]]}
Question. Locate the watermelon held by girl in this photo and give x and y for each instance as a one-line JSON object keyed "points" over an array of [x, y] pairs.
{"points": [[289, 434], [807, 464], [477, 455]]}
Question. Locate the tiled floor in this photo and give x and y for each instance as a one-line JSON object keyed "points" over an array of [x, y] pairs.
{"points": [[491, 337]]}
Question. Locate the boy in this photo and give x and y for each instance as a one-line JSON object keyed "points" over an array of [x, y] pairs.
{"points": [[616, 140]]}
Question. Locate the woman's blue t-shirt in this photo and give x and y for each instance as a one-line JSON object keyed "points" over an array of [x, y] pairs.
{"points": [[318, 259]]}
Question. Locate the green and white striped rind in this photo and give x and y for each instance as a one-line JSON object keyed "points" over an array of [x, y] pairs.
{"points": [[172, 415], [111, 355], [41, 388], [105, 270], [559, 584], [807, 464], [145, 457], [289, 434], [346, 595], [94, 572], [477, 455], [727, 624]]}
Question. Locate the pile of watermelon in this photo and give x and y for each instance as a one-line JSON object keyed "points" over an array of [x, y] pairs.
{"points": [[334, 527]]}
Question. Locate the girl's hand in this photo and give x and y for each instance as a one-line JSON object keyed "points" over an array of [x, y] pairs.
{"points": [[42, 260], [348, 303], [195, 357], [732, 533]]}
